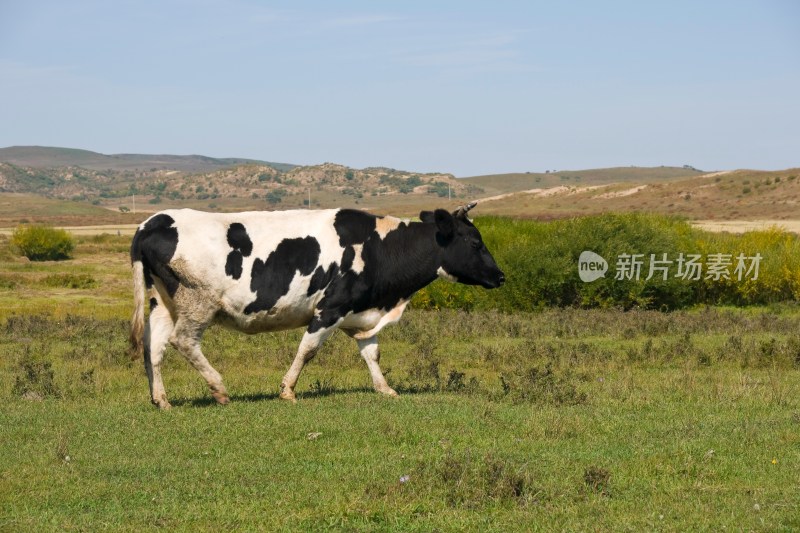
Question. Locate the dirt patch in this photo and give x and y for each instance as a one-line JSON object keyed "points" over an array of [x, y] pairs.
{"points": [[544, 193], [618, 194], [742, 226], [720, 173]]}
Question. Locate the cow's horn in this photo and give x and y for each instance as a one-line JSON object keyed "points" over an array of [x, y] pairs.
{"points": [[462, 211]]}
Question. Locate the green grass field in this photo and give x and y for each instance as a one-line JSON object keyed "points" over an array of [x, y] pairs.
{"points": [[564, 419]]}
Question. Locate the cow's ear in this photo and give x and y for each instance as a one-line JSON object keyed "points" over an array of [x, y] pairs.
{"points": [[445, 223], [426, 216]]}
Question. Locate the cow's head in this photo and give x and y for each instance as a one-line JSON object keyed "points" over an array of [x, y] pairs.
{"points": [[465, 259]]}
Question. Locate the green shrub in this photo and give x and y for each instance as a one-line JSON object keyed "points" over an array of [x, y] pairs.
{"points": [[42, 243], [540, 260]]}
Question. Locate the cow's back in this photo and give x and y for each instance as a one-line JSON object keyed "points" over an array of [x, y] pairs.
{"points": [[254, 267]]}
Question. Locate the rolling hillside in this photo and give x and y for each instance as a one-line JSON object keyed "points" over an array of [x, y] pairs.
{"points": [[735, 195], [521, 181], [92, 194], [81, 178], [48, 157]]}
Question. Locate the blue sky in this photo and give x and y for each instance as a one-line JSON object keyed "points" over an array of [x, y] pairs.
{"points": [[462, 87]]}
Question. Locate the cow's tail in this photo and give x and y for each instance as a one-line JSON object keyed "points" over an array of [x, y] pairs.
{"points": [[137, 320]]}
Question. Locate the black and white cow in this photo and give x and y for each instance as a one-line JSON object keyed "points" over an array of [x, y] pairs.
{"points": [[267, 271]]}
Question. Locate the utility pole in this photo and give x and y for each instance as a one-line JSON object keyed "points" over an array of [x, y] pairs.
{"points": [[448, 193], [134, 203], [309, 197]]}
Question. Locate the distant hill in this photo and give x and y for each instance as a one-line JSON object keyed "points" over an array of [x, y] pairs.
{"points": [[48, 157], [145, 183], [84, 187], [727, 195], [521, 181]]}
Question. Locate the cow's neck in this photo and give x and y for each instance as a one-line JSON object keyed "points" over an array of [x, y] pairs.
{"points": [[410, 259]]}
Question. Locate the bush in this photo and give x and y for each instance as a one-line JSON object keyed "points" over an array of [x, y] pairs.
{"points": [[540, 260], [42, 243]]}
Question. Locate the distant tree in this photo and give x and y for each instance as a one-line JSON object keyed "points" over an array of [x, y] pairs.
{"points": [[439, 188]]}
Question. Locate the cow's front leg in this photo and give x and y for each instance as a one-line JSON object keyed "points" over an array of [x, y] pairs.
{"points": [[372, 355], [309, 346]]}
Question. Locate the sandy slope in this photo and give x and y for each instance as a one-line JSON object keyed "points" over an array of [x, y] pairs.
{"points": [[741, 226]]}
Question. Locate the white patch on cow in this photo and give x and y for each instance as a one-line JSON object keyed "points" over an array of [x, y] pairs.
{"points": [[442, 273], [358, 261], [203, 251], [368, 323]]}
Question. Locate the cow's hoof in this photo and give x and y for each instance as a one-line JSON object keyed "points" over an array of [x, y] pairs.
{"points": [[288, 394], [221, 398], [388, 391], [163, 404]]}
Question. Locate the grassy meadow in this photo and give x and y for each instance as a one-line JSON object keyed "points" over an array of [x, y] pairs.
{"points": [[559, 419]]}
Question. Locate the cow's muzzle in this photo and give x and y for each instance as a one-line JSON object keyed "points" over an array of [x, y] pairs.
{"points": [[498, 281]]}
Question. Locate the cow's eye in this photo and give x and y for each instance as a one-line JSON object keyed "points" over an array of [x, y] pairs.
{"points": [[477, 245]]}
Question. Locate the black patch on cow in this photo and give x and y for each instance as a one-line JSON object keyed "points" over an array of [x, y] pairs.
{"points": [[322, 278], [233, 265], [348, 256], [154, 245], [239, 240], [353, 226], [270, 279], [394, 268], [153, 303]]}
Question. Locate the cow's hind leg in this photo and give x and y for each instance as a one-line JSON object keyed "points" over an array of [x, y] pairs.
{"points": [[372, 355], [309, 346], [156, 334], [186, 339]]}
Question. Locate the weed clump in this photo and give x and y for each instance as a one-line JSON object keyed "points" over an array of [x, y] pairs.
{"points": [[35, 380], [42, 243], [543, 386], [597, 479], [425, 374], [471, 482], [70, 281]]}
